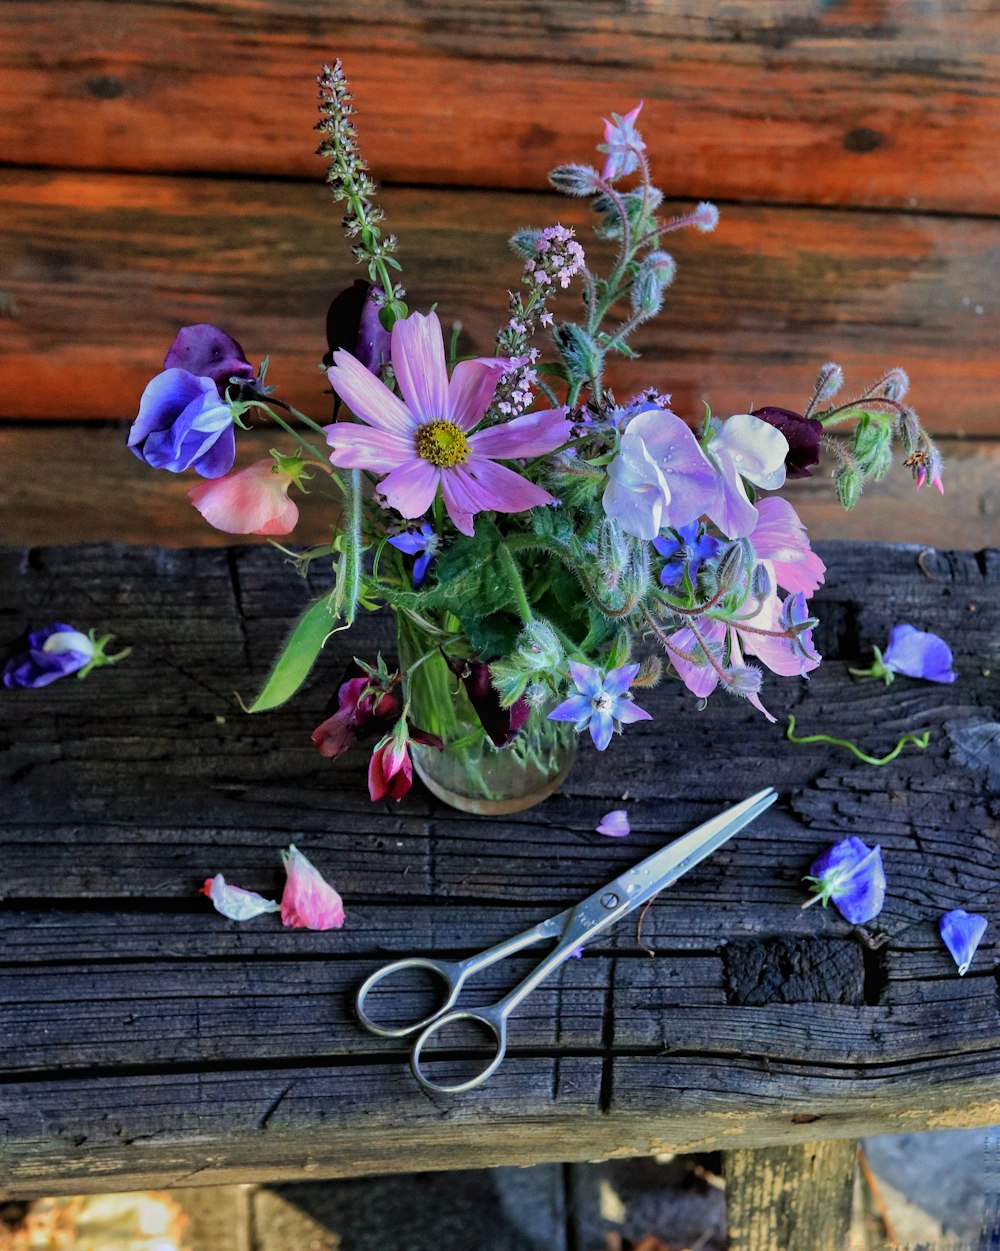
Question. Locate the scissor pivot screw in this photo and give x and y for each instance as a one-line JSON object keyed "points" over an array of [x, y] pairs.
{"points": [[609, 899]]}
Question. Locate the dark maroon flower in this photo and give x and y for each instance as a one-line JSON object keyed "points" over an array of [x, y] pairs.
{"points": [[358, 714], [352, 323], [208, 352], [390, 770], [803, 435], [501, 724]]}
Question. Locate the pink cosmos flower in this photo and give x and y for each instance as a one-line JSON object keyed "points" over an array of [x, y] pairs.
{"points": [[309, 902], [424, 440], [252, 501], [234, 902], [780, 538]]}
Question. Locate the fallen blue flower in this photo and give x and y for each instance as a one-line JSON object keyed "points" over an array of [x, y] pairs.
{"points": [[962, 933], [615, 824], [56, 651], [914, 653], [851, 874]]}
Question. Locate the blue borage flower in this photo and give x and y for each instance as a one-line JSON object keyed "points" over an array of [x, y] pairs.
{"points": [[601, 702], [422, 543], [851, 874], [686, 548], [962, 933]]}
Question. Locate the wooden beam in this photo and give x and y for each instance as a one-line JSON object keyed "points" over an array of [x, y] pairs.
{"points": [[893, 103], [794, 1198]]}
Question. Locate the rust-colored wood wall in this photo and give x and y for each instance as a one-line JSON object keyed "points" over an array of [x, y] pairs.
{"points": [[159, 169]]}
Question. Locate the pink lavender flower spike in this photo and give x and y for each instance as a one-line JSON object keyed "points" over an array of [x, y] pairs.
{"points": [[615, 824], [851, 875], [744, 447], [425, 440], [601, 703], [234, 902], [962, 933], [309, 902], [780, 538], [622, 143]]}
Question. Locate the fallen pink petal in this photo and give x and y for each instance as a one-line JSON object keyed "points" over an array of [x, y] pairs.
{"points": [[309, 901], [234, 902]]}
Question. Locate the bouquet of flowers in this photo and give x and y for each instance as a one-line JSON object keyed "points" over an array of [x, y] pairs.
{"points": [[527, 528]]}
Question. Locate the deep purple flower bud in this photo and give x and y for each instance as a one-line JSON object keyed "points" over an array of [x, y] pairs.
{"points": [[55, 651], [358, 712], [803, 435], [208, 352], [852, 875], [352, 323], [962, 933], [501, 724]]}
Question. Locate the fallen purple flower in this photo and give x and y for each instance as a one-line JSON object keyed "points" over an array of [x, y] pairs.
{"points": [[615, 824], [913, 653], [852, 875], [962, 933]]}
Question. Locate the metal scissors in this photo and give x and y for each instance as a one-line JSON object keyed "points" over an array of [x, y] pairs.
{"points": [[574, 928]]}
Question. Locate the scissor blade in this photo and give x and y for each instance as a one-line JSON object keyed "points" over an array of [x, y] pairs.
{"points": [[664, 867]]}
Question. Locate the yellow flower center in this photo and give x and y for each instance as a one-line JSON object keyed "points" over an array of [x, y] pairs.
{"points": [[443, 444]]}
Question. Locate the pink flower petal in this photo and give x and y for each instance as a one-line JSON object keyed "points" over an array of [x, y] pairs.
{"points": [[736, 656], [776, 653], [309, 902], [701, 680], [780, 538], [460, 499], [364, 447], [534, 434], [252, 501], [419, 365], [471, 389], [367, 396], [411, 488], [501, 489], [234, 902]]}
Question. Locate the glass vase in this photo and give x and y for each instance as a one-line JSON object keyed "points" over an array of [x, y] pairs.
{"points": [[471, 774]]}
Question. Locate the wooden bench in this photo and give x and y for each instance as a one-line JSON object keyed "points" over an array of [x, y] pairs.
{"points": [[149, 1042]]}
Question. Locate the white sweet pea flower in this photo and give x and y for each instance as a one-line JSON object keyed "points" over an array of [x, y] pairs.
{"points": [[744, 447]]}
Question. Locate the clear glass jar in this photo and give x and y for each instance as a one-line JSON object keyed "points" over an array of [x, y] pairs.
{"points": [[471, 774]]}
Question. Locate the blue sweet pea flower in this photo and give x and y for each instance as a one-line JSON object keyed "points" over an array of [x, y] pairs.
{"points": [[852, 875], [601, 702], [914, 653], [423, 544], [183, 424], [55, 651], [685, 548], [962, 933]]}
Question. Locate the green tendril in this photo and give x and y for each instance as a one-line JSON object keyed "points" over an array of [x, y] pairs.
{"points": [[918, 740]]}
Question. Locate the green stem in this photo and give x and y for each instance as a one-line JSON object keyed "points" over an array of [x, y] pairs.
{"points": [[516, 582], [918, 740], [348, 586]]}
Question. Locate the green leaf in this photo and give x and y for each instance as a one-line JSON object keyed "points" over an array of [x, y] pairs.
{"points": [[297, 657]]}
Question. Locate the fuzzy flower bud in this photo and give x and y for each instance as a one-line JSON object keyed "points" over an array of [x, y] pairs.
{"points": [[575, 179], [829, 382], [848, 483], [705, 217]]}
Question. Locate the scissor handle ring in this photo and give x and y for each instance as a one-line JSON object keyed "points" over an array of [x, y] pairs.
{"points": [[493, 1020], [451, 974]]}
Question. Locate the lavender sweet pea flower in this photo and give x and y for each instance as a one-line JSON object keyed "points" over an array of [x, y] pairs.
{"points": [[615, 824], [660, 477], [687, 548], [208, 352], [601, 703], [852, 875], [780, 539], [744, 447], [423, 544], [55, 651], [182, 424], [622, 143], [962, 933], [918, 654]]}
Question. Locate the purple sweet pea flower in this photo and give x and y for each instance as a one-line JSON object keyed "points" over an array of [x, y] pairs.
{"points": [[615, 824], [660, 477], [352, 323], [622, 143], [687, 548], [803, 435], [602, 703], [423, 544], [208, 352], [852, 875], [55, 651], [918, 654], [744, 447], [962, 933], [182, 424]]}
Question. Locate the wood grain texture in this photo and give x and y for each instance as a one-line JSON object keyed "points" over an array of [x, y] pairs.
{"points": [[101, 270], [779, 1198], [76, 483], [863, 102], [147, 1041]]}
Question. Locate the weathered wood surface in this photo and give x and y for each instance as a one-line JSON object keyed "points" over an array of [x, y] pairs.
{"points": [[66, 483], [780, 1198], [99, 271], [862, 102], [147, 1040]]}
